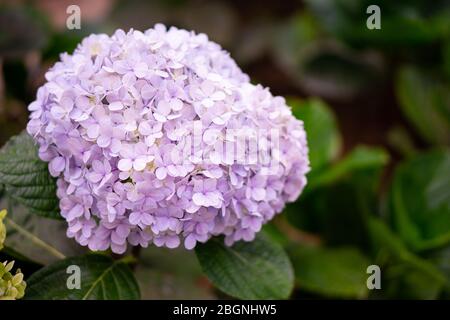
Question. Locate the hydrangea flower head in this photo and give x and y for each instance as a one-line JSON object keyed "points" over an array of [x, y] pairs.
{"points": [[158, 137]]}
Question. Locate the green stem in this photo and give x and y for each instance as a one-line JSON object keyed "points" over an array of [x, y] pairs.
{"points": [[35, 239]]}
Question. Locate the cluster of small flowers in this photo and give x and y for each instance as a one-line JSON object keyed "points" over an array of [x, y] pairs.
{"points": [[12, 287], [113, 114]]}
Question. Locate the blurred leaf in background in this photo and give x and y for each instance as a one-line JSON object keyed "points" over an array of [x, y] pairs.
{"points": [[404, 274], [26, 178], [340, 193], [420, 200], [425, 100], [320, 64], [335, 273], [323, 135], [403, 23]]}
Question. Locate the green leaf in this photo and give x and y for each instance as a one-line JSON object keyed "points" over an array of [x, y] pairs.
{"points": [[406, 275], [339, 197], [405, 281], [293, 38], [102, 278], [336, 213], [323, 136], [65, 41], [404, 24], [318, 64], [441, 259], [425, 101], [420, 200], [339, 272], [384, 239], [26, 178], [248, 270], [359, 159]]}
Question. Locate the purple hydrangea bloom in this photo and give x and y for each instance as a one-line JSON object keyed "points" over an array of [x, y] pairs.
{"points": [[158, 137]]}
